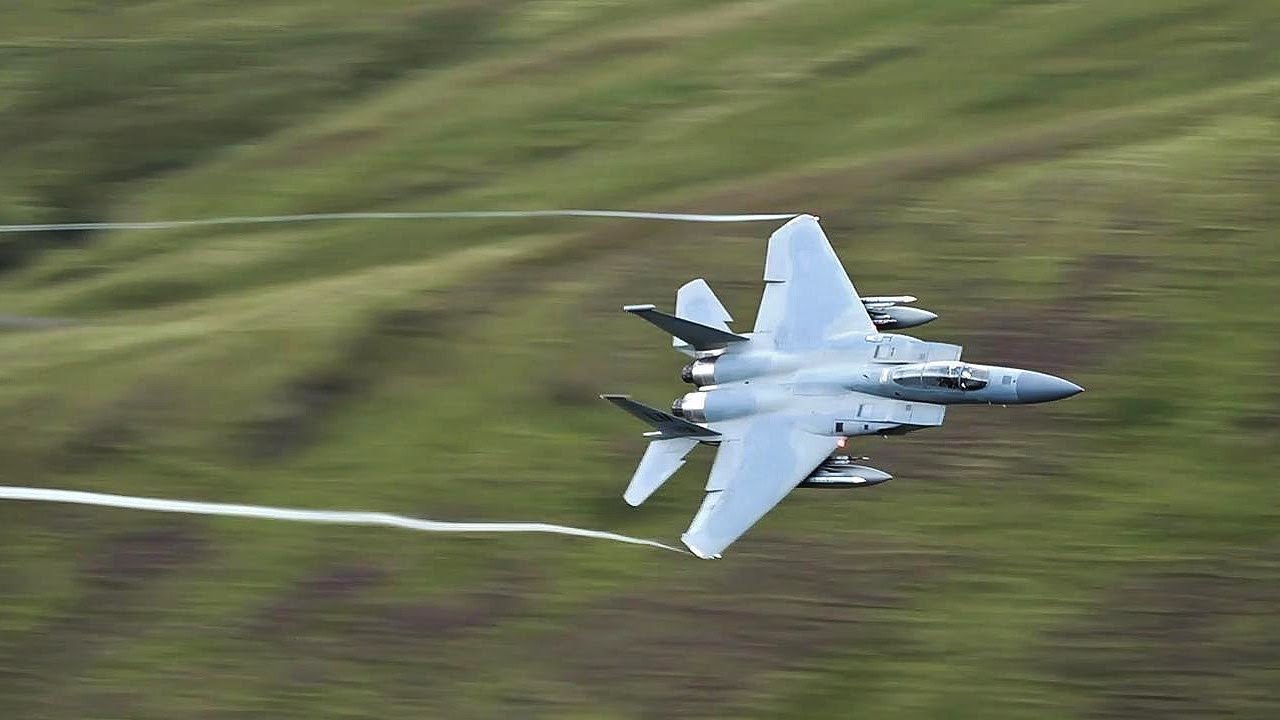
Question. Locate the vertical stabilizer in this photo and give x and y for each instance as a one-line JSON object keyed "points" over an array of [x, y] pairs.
{"points": [[695, 301]]}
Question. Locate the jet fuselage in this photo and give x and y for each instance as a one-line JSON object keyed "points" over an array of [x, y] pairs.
{"points": [[843, 390]]}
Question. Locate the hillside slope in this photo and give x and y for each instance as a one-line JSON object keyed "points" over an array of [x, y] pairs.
{"points": [[1082, 187]]}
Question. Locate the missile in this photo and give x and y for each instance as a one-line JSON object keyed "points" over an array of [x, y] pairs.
{"points": [[898, 318], [841, 473], [888, 313]]}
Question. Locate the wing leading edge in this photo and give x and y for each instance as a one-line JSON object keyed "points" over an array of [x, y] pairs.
{"points": [[761, 459], [808, 297]]}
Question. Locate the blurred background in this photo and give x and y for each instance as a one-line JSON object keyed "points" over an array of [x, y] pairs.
{"points": [[1087, 188]]}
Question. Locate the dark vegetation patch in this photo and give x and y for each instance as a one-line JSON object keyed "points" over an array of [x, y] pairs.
{"points": [[327, 148], [577, 382], [573, 387], [1183, 640], [546, 151], [131, 560], [339, 604], [697, 646], [310, 597], [117, 576], [120, 428], [594, 54], [850, 65], [1072, 332], [1049, 87], [138, 295], [66, 206], [293, 419], [1134, 410], [427, 36], [70, 272], [1264, 421], [293, 416]]}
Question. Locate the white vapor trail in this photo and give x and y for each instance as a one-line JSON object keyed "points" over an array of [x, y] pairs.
{"points": [[449, 215], [331, 517]]}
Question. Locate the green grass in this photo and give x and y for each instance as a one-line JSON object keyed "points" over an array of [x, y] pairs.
{"points": [[1084, 187]]}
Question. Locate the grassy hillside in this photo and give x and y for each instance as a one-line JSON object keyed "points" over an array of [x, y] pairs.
{"points": [[1083, 187]]}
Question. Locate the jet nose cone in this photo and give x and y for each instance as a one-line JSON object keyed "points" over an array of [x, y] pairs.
{"points": [[1036, 387]]}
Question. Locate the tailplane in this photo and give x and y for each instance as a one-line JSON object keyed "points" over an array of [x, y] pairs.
{"points": [[661, 460], [666, 425], [672, 439], [687, 332]]}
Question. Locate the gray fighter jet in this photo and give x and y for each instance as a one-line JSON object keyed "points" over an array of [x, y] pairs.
{"points": [[816, 370]]}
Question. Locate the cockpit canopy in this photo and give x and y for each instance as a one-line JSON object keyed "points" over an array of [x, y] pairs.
{"points": [[943, 374]]}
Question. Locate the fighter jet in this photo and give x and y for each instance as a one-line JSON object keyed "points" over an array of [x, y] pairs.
{"points": [[817, 369]]}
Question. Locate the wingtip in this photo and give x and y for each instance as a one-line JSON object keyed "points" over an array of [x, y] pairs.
{"points": [[693, 548], [799, 223], [643, 307]]}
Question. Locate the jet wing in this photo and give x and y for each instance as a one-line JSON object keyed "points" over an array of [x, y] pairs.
{"points": [[760, 460], [808, 297]]}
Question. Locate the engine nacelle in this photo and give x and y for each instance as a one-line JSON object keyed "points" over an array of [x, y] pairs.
{"points": [[732, 368], [715, 405], [700, 372]]}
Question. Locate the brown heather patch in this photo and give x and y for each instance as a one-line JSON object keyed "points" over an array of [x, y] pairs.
{"points": [[1072, 334], [115, 603], [335, 605], [1069, 334], [314, 596], [294, 416], [327, 148], [119, 428], [598, 53], [696, 647], [1263, 422], [851, 64], [1181, 640], [131, 560]]}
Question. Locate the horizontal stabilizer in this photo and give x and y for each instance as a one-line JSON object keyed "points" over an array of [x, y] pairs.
{"points": [[699, 336], [667, 425], [661, 460]]}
